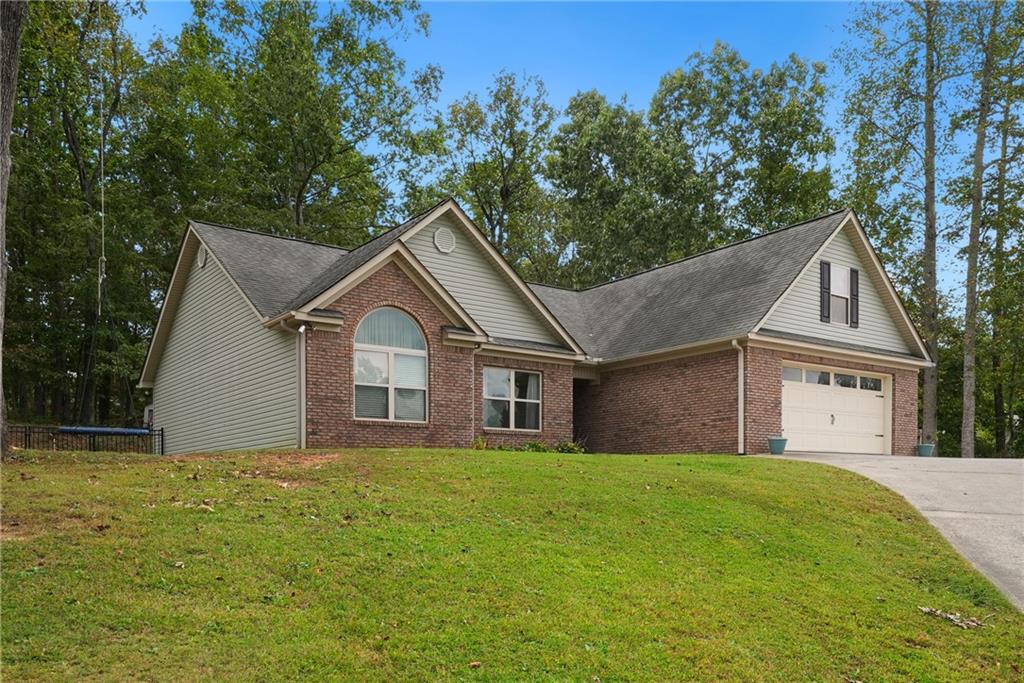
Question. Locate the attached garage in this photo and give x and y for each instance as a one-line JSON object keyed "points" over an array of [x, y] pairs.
{"points": [[835, 409]]}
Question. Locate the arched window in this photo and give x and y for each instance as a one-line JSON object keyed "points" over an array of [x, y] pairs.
{"points": [[390, 367]]}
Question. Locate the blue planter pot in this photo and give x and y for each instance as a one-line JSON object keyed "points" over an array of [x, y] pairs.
{"points": [[776, 445], [926, 450]]}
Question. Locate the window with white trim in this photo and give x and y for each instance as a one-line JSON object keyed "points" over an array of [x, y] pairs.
{"points": [[512, 399], [390, 367], [840, 295]]}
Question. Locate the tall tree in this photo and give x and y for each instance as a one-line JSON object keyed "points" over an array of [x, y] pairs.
{"points": [[491, 161], [1004, 301], [985, 28], [311, 107], [12, 17], [757, 138], [625, 202], [901, 66]]}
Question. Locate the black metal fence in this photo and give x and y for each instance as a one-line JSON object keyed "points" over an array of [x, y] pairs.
{"points": [[50, 438]]}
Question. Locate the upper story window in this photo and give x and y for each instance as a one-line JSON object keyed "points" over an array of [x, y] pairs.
{"points": [[511, 399], [840, 294], [390, 367]]}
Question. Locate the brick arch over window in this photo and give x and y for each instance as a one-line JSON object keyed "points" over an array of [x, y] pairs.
{"points": [[390, 367]]}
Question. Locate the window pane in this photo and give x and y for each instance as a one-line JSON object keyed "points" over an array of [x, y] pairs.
{"points": [[792, 374], [815, 377], [495, 413], [371, 367], [840, 285], [528, 385], [527, 416], [848, 381], [410, 371], [410, 404], [871, 383], [496, 382], [839, 310], [372, 402], [390, 327]]}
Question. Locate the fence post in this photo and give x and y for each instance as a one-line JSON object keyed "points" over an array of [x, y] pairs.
{"points": [[161, 441], [28, 437]]}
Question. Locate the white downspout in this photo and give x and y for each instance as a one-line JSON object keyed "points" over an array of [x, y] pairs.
{"points": [[739, 397], [302, 386]]}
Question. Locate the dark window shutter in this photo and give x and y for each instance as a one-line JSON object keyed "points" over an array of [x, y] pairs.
{"points": [[826, 277], [854, 297]]}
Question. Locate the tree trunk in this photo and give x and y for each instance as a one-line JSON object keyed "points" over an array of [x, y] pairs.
{"points": [[930, 307], [930, 375], [977, 186], [12, 16], [999, 272]]}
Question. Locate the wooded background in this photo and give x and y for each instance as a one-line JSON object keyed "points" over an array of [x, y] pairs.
{"points": [[302, 119]]}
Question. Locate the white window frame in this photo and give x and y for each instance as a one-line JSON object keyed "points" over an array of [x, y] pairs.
{"points": [[391, 352], [512, 400], [839, 275]]}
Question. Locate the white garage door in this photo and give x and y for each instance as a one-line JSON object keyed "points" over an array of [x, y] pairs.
{"points": [[830, 409]]}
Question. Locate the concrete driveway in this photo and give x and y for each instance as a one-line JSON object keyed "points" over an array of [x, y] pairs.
{"points": [[978, 505]]}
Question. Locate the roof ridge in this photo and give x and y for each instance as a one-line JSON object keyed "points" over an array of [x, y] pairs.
{"points": [[315, 288], [413, 219], [267, 234], [541, 284], [709, 251]]}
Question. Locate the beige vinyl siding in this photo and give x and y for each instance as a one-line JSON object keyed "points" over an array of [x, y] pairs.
{"points": [[476, 283], [224, 381], [800, 313]]}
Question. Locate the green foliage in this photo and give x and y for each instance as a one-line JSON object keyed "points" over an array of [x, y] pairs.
{"points": [[479, 444], [411, 564], [282, 116], [570, 447]]}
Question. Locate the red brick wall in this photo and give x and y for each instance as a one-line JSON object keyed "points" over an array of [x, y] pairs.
{"points": [[681, 405], [455, 380], [764, 397], [556, 406], [329, 388]]}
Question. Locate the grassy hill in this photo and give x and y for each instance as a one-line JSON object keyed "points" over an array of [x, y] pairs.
{"points": [[480, 565]]}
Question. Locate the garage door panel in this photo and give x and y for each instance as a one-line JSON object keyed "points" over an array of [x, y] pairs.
{"points": [[819, 417]]}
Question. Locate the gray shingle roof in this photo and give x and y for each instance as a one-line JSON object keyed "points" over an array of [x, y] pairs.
{"points": [[269, 269], [326, 279], [717, 294], [280, 274]]}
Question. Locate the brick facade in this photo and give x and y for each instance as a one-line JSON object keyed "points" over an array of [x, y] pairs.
{"points": [[763, 403], [681, 405], [455, 381]]}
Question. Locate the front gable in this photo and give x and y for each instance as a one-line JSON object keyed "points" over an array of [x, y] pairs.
{"points": [[455, 256], [882, 325]]}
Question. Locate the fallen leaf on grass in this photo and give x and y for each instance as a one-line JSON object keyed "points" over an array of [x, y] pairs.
{"points": [[475, 665]]}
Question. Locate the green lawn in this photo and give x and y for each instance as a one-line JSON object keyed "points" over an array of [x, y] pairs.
{"points": [[480, 565]]}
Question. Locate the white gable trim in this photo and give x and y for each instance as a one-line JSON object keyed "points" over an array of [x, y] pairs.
{"points": [[190, 244], [879, 274], [411, 266], [499, 261]]}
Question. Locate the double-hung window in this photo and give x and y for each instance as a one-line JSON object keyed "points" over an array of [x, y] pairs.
{"points": [[512, 399], [840, 303], [390, 368]]}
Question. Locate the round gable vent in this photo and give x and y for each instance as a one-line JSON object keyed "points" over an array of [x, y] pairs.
{"points": [[444, 240]]}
